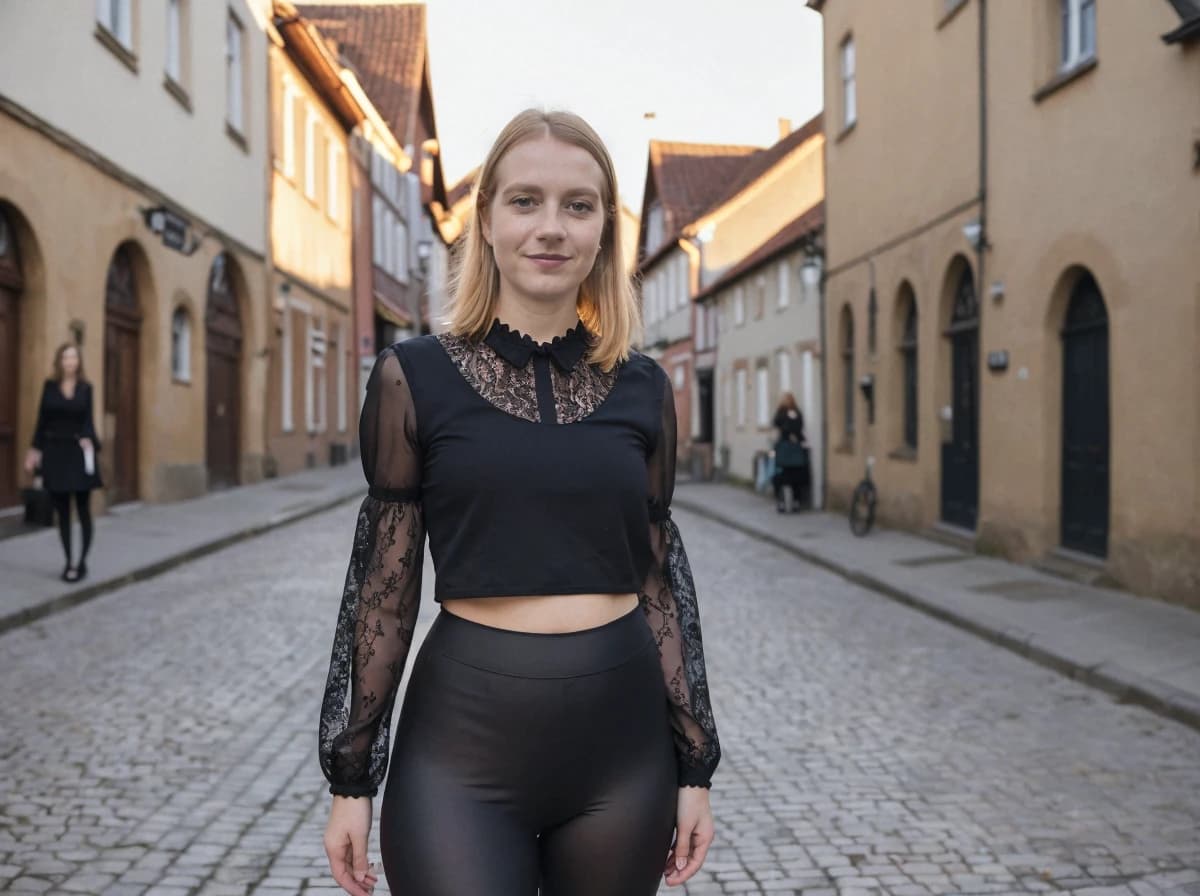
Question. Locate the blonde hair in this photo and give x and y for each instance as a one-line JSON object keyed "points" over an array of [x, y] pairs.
{"points": [[606, 304]]}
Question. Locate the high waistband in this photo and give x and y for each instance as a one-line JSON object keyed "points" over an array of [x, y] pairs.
{"points": [[540, 655]]}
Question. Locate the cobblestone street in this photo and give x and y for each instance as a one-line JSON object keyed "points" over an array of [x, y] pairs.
{"points": [[161, 740]]}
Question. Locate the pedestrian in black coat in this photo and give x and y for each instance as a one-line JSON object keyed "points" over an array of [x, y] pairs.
{"points": [[65, 447], [789, 447]]}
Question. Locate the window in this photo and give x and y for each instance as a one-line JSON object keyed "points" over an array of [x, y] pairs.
{"points": [[116, 16], [400, 268], [784, 363], [181, 346], [762, 378], [908, 354], [376, 230], [760, 290], [848, 372], [174, 61], [234, 63], [1078, 32], [331, 178], [701, 328], [285, 369], [785, 277], [740, 395], [310, 154], [849, 84], [680, 376], [654, 226], [339, 358], [314, 379], [739, 306]]}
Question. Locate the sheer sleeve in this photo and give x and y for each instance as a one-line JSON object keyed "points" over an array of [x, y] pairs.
{"points": [[382, 593], [669, 601]]}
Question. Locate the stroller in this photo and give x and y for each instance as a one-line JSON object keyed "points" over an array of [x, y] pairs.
{"points": [[791, 479]]}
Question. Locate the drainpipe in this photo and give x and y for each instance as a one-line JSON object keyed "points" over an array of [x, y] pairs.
{"points": [[982, 244]]}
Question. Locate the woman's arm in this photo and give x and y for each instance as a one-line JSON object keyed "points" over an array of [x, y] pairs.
{"points": [[89, 423], [33, 456]]}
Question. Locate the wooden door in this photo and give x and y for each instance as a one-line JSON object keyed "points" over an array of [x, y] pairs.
{"points": [[960, 456], [223, 340], [122, 366], [1085, 457], [11, 455]]}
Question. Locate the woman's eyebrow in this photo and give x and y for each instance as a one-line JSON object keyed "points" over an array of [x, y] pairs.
{"points": [[535, 189]]}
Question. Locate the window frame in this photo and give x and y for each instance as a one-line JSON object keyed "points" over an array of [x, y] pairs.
{"points": [[181, 345], [848, 76], [235, 73], [174, 43], [739, 305], [116, 18], [762, 395], [1074, 15], [310, 154], [332, 175], [739, 398]]}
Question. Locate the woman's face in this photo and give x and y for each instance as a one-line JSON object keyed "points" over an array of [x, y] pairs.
{"points": [[69, 362], [545, 219]]}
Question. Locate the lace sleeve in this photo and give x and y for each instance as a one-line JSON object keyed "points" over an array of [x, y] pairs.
{"points": [[669, 601], [382, 594]]}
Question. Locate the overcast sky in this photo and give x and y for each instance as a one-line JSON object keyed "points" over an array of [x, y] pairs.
{"points": [[711, 71]]}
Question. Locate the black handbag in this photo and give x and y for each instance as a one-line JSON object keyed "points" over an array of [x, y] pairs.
{"points": [[39, 509], [791, 454]]}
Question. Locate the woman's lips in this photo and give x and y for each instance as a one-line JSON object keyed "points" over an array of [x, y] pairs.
{"points": [[548, 262]]}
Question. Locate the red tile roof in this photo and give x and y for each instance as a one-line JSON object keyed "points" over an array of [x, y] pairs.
{"points": [[689, 176], [782, 240], [760, 163], [386, 46]]}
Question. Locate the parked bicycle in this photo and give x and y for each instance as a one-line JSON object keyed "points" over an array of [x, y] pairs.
{"points": [[862, 503]]}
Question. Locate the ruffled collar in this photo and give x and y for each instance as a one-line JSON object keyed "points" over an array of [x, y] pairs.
{"points": [[516, 348]]}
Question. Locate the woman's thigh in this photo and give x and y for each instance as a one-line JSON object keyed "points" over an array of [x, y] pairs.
{"points": [[618, 847], [438, 839]]}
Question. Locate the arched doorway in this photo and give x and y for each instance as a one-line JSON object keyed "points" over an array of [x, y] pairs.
{"points": [[122, 368], [11, 285], [1085, 439], [223, 353], [960, 455]]}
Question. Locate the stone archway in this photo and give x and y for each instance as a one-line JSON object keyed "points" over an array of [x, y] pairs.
{"points": [[960, 454], [122, 373], [12, 284], [1085, 421], [223, 361]]}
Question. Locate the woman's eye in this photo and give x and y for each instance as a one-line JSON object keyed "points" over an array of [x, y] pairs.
{"points": [[522, 201], [580, 207]]}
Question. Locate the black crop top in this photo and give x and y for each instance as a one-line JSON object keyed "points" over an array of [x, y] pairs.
{"points": [[532, 472]]}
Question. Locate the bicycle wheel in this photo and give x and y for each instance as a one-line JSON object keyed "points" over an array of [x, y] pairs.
{"points": [[862, 508]]}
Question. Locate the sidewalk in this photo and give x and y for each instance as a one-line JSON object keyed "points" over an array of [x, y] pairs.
{"points": [[144, 540], [1139, 650]]}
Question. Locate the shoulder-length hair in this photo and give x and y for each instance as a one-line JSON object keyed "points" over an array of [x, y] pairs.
{"points": [[58, 370], [787, 402], [606, 304]]}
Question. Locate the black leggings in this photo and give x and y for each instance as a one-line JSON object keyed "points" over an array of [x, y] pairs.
{"points": [[525, 760], [62, 509]]}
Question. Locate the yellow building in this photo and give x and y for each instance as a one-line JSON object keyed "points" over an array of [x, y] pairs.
{"points": [[132, 223], [313, 385], [1013, 277]]}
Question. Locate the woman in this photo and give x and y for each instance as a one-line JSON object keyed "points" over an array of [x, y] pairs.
{"points": [[792, 466], [65, 447], [556, 728]]}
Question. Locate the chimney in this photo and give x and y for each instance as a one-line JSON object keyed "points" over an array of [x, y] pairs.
{"points": [[785, 127]]}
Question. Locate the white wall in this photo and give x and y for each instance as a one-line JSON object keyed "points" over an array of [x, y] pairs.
{"points": [[52, 63]]}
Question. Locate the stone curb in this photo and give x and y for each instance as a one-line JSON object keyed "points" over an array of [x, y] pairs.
{"points": [[1124, 685], [78, 596]]}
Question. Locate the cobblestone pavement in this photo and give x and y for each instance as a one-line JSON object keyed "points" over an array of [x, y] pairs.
{"points": [[161, 740]]}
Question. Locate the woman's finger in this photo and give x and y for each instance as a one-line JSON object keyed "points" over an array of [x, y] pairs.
{"points": [[341, 863]]}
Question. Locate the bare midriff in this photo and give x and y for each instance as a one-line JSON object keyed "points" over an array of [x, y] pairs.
{"points": [[543, 614]]}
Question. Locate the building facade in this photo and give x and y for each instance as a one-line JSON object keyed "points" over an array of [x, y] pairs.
{"points": [[1013, 282], [133, 224], [682, 181]]}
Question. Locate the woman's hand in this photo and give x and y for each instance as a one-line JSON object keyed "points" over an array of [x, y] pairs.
{"points": [[346, 844], [693, 835], [85, 443], [33, 457]]}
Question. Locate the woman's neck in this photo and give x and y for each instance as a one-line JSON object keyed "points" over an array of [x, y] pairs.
{"points": [[541, 322]]}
